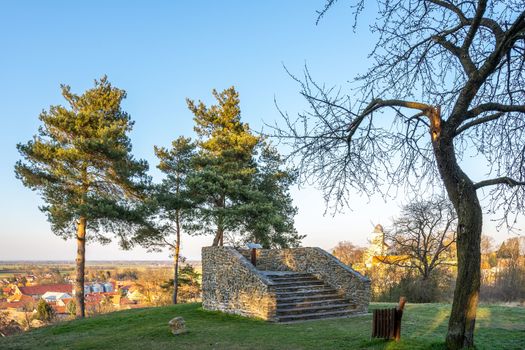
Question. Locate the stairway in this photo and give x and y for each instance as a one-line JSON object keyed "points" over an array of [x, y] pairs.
{"points": [[301, 296]]}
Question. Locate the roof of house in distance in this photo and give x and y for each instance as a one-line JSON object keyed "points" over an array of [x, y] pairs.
{"points": [[42, 289], [53, 296], [17, 302]]}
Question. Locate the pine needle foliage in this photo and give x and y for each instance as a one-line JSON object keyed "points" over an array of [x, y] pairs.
{"points": [[80, 162]]}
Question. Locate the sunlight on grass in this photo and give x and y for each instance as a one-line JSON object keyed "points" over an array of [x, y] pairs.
{"points": [[442, 316], [483, 313]]}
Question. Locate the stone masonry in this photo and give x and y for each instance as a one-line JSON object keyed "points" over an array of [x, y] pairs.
{"points": [[230, 283]]}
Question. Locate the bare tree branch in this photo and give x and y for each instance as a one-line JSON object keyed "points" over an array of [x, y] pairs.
{"points": [[500, 180], [479, 121]]}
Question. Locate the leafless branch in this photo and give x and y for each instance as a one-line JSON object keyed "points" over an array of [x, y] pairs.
{"points": [[464, 60], [500, 180]]}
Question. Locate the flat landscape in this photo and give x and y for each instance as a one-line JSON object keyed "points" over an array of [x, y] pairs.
{"points": [[423, 327]]}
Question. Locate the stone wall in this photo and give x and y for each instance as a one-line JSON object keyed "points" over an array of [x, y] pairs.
{"points": [[231, 284], [325, 266]]}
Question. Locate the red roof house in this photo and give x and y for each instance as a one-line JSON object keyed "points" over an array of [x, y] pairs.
{"points": [[17, 303], [37, 291]]}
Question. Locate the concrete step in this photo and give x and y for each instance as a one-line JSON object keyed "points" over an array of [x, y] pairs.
{"points": [[291, 283], [314, 309], [300, 304], [285, 274], [306, 292], [288, 274], [306, 298], [300, 287], [294, 276], [315, 316]]}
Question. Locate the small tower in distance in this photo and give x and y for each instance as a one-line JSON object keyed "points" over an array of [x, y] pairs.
{"points": [[377, 247]]}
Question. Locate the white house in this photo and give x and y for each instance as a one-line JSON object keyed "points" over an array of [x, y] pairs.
{"points": [[55, 296]]}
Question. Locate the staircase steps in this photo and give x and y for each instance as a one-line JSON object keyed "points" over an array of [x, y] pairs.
{"points": [[298, 283], [305, 292], [302, 303], [307, 298], [314, 316], [301, 288], [312, 309], [302, 296]]}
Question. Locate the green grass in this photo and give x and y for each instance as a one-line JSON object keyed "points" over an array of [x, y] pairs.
{"points": [[423, 327]]}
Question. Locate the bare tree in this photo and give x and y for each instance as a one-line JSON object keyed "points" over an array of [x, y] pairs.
{"points": [[27, 312], [422, 237], [487, 244], [460, 66], [348, 253]]}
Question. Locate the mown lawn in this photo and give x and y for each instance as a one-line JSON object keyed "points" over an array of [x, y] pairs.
{"points": [[423, 327]]}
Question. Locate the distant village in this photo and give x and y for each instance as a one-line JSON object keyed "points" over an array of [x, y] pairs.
{"points": [[107, 290], [20, 298]]}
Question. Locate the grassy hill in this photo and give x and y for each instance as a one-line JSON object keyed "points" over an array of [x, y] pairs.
{"points": [[423, 327]]}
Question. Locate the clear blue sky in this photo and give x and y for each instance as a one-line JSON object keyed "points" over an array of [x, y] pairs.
{"points": [[161, 52]]}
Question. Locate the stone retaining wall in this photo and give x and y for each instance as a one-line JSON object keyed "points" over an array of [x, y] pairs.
{"points": [[231, 284]]}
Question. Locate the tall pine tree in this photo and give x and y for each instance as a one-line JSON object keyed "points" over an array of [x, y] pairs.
{"points": [[268, 211], [225, 165], [80, 163], [172, 205], [235, 193]]}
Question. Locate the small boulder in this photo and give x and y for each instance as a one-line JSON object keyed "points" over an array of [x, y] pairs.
{"points": [[177, 325]]}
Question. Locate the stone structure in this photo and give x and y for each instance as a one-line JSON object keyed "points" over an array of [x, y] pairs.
{"points": [[230, 283], [305, 280]]}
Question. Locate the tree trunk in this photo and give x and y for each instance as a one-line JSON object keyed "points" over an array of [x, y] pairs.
{"points": [[463, 316], [462, 193], [218, 240], [176, 275], [176, 260], [80, 267]]}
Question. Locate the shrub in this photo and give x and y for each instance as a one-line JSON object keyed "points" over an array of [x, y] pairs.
{"points": [[44, 311], [438, 287], [508, 284]]}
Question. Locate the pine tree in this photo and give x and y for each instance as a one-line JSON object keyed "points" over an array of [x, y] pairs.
{"points": [[235, 193], [80, 163], [173, 204], [269, 213], [225, 165]]}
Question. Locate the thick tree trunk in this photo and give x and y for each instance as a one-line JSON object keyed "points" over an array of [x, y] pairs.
{"points": [[80, 267], [462, 194], [463, 316], [218, 240], [176, 256]]}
